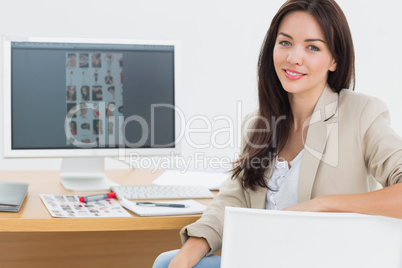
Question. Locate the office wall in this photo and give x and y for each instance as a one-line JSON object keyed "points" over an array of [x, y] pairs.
{"points": [[220, 45]]}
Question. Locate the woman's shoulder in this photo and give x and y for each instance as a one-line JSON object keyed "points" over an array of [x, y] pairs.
{"points": [[360, 101], [363, 107]]}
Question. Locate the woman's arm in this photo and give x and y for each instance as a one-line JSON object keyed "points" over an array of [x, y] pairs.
{"points": [[382, 151], [384, 202], [191, 253]]}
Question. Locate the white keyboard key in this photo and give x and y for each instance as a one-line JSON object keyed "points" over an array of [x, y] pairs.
{"points": [[161, 192]]}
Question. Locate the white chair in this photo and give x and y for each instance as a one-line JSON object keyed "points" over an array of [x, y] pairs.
{"points": [[263, 238]]}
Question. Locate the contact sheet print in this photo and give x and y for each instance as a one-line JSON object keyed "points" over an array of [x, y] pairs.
{"points": [[69, 206], [94, 97]]}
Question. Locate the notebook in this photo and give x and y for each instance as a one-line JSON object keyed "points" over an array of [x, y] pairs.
{"points": [[12, 194], [192, 207]]}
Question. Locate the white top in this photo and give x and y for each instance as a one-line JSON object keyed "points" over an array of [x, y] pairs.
{"points": [[282, 192]]}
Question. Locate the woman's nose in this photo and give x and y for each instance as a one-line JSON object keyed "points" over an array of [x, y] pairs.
{"points": [[295, 56]]}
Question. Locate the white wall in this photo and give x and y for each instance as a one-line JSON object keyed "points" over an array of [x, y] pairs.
{"points": [[220, 45]]}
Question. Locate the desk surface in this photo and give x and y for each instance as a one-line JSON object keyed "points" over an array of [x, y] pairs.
{"points": [[34, 217]]}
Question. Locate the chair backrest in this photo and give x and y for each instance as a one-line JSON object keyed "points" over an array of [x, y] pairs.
{"points": [[265, 238]]}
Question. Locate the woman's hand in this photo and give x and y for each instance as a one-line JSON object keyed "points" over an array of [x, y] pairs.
{"points": [[313, 205], [179, 261], [385, 202], [191, 253]]}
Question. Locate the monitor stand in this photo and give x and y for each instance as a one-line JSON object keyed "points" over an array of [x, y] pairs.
{"points": [[84, 174]]}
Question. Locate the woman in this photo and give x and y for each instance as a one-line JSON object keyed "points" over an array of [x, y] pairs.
{"points": [[96, 60], [109, 78], [97, 123], [111, 91], [85, 93], [109, 110], [73, 127], [326, 143], [71, 60], [83, 110], [71, 93]]}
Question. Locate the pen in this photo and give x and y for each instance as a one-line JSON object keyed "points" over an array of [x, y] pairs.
{"points": [[152, 204], [96, 197]]}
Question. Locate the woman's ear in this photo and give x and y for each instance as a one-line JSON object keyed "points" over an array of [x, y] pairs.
{"points": [[332, 67]]}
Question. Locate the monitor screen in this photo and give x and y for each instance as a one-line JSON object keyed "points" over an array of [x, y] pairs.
{"points": [[88, 97], [74, 95]]}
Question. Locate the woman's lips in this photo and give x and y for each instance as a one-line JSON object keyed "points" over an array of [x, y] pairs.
{"points": [[293, 75]]}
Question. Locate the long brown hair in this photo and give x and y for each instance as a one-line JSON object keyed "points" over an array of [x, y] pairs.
{"points": [[262, 147]]}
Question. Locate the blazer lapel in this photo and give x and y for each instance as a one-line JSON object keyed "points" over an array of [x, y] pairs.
{"points": [[322, 122], [258, 197]]}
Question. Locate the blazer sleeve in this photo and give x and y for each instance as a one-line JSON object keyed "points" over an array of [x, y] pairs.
{"points": [[382, 147], [210, 225]]}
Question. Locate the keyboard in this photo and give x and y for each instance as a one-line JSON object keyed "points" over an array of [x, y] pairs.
{"points": [[161, 192]]}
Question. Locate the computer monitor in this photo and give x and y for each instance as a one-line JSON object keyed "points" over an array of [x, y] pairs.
{"points": [[85, 99]]}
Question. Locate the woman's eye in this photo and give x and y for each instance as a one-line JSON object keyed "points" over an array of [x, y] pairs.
{"points": [[313, 48], [285, 43]]}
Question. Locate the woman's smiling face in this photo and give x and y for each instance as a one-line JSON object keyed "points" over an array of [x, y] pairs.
{"points": [[301, 56]]}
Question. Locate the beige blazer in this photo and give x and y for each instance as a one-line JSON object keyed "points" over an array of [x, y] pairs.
{"points": [[349, 142]]}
